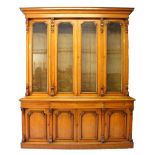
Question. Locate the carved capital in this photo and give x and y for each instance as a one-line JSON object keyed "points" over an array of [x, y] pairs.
{"points": [[27, 90], [71, 113], [120, 23], [57, 113], [104, 110], [123, 113], [131, 110], [29, 113], [95, 113], [50, 110], [82, 113], [52, 24], [102, 25], [106, 22], [43, 113], [126, 25], [109, 113], [27, 24]]}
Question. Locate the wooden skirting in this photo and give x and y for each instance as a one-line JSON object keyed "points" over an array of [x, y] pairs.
{"points": [[106, 145]]}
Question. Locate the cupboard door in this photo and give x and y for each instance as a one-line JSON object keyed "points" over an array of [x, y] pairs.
{"points": [[88, 56], [64, 125], [114, 56], [116, 125], [89, 125], [36, 125]]}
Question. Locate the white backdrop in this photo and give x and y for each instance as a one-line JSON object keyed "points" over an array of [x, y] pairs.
{"points": [[12, 74]]}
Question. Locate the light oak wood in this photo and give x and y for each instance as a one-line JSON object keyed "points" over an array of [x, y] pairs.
{"points": [[89, 125], [74, 24], [116, 125], [64, 125], [72, 12], [77, 120], [36, 125]]}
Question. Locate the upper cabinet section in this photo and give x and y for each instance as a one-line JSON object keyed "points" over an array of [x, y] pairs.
{"points": [[70, 53]]}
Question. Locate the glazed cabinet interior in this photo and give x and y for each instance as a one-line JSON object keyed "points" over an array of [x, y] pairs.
{"points": [[77, 79]]}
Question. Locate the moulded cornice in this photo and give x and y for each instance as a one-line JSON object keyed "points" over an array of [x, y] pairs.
{"points": [[79, 12]]}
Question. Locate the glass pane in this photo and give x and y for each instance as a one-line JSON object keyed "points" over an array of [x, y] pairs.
{"points": [[65, 57], [114, 57], [39, 57], [89, 42]]}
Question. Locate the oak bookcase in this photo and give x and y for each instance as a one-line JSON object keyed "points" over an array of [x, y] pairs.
{"points": [[77, 79]]}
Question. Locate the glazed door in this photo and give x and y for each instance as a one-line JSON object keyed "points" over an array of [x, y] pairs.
{"points": [[65, 56], [116, 49], [38, 51], [88, 57]]}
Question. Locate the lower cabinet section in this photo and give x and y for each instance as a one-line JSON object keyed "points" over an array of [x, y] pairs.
{"points": [[77, 128]]}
